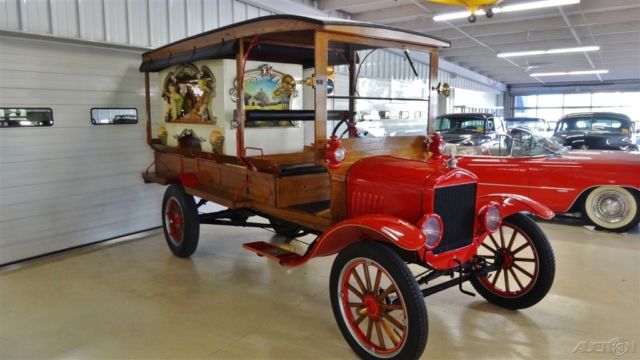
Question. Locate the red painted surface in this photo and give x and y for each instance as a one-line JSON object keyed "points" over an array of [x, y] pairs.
{"points": [[556, 182]]}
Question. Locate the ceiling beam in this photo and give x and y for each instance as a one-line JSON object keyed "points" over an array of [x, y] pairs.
{"points": [[390, 15], [346, 5]]}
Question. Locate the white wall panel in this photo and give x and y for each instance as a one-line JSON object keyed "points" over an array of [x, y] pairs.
{"points": [[64, 15], [73, 183], [210, 11], [177, 20], [252, 12], [35, 16], [9, 15], [225, 12], [195, 17], [138, 22], [91, 20], [158, 22], [239, 11], [115, 15]]}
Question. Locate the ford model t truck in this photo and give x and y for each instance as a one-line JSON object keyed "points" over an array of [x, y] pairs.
{"points": [[259, 117]]}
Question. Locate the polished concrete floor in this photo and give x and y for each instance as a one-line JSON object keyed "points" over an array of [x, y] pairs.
{"points": [[134, 300]]}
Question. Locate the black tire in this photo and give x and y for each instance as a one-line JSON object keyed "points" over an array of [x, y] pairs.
{"points": [[522, 248], [180, 221], [472, 18], [284, 228], [620, 212], [399, 310]]}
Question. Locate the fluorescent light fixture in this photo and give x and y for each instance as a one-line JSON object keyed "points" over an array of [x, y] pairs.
{"points": [[550, 51], [507, 8], [563, 73]]}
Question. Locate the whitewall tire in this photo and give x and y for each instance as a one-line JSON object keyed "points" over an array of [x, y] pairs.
{"points": [[612, 208]]}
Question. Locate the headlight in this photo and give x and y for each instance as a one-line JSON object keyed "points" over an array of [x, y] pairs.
{"points": [[491, 217], [432, 228]]}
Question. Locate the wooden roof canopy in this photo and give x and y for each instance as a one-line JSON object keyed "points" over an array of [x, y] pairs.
{"points": [[284, 38]]}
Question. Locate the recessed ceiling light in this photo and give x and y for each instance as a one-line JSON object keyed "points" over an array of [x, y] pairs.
{"points": [[550, 51], [563, 73], [507, 8]]}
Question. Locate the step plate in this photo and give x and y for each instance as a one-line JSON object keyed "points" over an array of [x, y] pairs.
{"points": [[272, 252]]}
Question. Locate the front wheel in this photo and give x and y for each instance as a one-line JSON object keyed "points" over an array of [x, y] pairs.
{"points": [[180, 221], [612, 208], [525, 264], [377, 303]]}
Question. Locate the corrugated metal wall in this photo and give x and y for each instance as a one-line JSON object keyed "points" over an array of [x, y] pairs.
{"points": [[149, 23]]}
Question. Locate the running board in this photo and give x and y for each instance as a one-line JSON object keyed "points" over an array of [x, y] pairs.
{"points": [[282, 256]]}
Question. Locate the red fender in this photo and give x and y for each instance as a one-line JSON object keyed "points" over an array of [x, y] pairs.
{"points": [[382, 228], [512, 203]]}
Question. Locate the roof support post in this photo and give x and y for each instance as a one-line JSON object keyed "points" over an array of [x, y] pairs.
{"points": [[321, 58], [433, 91], [240, 100]]}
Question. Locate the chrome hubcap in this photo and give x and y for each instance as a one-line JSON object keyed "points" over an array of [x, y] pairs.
{"points": [[611, 206]]}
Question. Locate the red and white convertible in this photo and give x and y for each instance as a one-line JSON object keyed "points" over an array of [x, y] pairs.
{"points": [[603, 185]]}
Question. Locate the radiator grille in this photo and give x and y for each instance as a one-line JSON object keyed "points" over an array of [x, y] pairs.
{"points": [[456, 206]]}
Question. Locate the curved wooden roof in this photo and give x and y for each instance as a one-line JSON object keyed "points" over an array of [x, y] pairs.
{"points": [[217, 43]]}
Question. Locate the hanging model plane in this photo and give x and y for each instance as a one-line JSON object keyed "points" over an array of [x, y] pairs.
{"points": [[472, 6]]}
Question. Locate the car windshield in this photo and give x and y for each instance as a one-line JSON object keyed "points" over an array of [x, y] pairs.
{"points": [[530, 144], [460, 124], [535, 124]]}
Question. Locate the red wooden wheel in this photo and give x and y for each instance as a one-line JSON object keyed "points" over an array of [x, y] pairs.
{"points": [[175, 220]]}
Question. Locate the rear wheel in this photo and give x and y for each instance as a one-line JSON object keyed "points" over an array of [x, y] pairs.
{"points": [[180, 221], [525, 261], [612, 208], [377, 303]]}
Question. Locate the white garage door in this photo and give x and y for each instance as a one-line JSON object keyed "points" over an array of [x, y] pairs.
{"points": [[73, 183]]}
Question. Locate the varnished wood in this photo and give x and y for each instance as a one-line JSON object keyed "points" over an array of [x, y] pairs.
{"points": [[320, 95], [239, 114], [302, 189], [433, 93]]}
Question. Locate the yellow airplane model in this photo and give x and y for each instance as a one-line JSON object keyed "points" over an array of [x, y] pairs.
{"points": [[472, 6]]}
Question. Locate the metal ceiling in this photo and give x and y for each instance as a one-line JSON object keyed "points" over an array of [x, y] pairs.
{"points": [[614, 25]]}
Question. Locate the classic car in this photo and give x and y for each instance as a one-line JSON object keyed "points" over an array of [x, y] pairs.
{"points": [[470, 129], [537, 124], [226, 135], [603, 185], [596, 130]]}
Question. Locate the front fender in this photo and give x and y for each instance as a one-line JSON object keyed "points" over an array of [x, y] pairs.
{"points": [[383, 228], [512, 203]]}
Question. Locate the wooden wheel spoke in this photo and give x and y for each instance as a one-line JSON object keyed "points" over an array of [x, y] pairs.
{"points": [[354, 290], [488, 247], [506, 280], [393, 320], [380, 337], [515, 277], [376, 285], [367, 276], [359, 281], [530, 275], [360, 318], [391, 307], [502, 237], [487, 256], [524, 259], [369, 331], [390, 333], [512, 240], [355, 304], [495, 278], [386, 293], [495, 243], [520, 248]]}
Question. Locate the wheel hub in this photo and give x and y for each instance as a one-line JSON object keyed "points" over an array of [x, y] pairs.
{"points": [[371, 306], [505, 258], [611, 207]]}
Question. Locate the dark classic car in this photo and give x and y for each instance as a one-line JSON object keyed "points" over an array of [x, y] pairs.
{"points": [[596, 130], [470, 129], [603, 185]]}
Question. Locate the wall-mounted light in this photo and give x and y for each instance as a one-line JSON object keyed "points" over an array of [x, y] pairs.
{"points": [[563, 73], [550, 51], [507, 9]]}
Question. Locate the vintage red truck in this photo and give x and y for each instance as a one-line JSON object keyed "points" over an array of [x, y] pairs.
{"points": [[251, 114]]}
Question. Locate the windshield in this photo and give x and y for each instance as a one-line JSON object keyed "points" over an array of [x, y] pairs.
{"points": [[606, 125], [458, 123], [531, 123], [530, 144]]}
